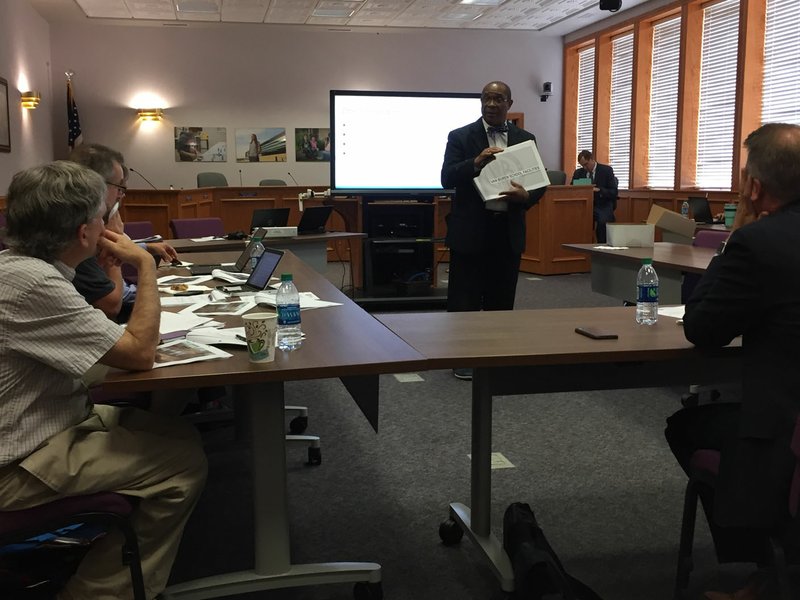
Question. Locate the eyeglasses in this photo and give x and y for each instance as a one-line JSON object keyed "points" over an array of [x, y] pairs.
{"points": [[493, 99], [121, 189]]}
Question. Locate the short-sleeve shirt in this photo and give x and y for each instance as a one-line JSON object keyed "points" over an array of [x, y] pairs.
{"points": [[49, 338], [91, 281]]}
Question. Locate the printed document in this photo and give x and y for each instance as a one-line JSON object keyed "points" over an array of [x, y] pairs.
{"points": [[520, 163]]}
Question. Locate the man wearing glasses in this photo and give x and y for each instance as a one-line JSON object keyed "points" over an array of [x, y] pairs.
{"points": [[486, 239], [99, 279]]}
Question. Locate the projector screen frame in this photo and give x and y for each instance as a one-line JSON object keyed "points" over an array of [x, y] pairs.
{"points": [[418, 192]]}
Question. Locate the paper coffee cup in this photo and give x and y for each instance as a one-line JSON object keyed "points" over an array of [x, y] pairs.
{"points": [[260, 330]]}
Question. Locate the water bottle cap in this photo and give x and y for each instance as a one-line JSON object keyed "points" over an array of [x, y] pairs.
{"points": [[286, 276], [647, 261]]}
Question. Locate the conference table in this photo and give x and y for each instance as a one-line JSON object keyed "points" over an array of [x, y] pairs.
{"points": [[614, 270], [341, 342], [538, 351], [310, 248]]}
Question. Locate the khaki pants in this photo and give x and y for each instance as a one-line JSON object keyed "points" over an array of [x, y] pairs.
{"points": [[157, 459]]}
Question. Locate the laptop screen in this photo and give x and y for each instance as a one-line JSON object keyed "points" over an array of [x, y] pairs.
{"points": [[700, 209], [243, 262], [266, 266], [269, 217], [314, 219]]}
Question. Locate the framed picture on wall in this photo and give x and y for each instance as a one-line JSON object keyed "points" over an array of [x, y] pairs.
{"points": [[5, 126], [312, 144], [261, 144], [201, 144]]}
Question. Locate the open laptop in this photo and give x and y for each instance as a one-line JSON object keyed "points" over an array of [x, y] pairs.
{"points": [[313, 220], [242, 262], [259, 277], [269, 217], [701, 210]]}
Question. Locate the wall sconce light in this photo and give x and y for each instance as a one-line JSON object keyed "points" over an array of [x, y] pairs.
{"points": [[30, 100], [150, 114]]}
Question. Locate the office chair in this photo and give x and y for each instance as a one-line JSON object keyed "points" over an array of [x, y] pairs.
{"points": [[705, 468], [704, 238], [272, 182], [194, 228], [139, 230], [557, 177], [32, 560], [211, 179]]}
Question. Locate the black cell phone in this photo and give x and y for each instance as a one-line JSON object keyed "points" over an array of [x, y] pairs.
{"points": [[596, 333]]}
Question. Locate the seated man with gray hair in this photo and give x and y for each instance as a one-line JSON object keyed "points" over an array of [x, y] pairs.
{"points": [[53, 443]]}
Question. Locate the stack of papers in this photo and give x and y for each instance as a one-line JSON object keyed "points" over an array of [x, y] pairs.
{"points": [[519, 163]]}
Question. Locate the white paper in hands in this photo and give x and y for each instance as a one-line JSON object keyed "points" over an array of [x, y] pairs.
{"points": [[520, 163]]}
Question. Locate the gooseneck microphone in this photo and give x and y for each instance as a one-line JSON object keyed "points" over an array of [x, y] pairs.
{"points": [[150, 183], [240, 178], [293, 179]]}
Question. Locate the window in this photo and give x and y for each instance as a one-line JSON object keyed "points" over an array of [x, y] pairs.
{"points": [[585, 99], [781, 66], [664, 104], [621, 85], [718, 61]]}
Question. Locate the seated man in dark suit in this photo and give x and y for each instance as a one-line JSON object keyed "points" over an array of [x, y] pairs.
{"points": [[752, 289], [604, 184]]}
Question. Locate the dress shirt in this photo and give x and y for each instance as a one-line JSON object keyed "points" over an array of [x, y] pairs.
{"points": [[499, 140]]}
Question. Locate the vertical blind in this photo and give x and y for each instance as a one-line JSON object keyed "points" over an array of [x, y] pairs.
{"points": [[585, 98], [717, 95], [664, 104], [781, 91], [621, 85]]}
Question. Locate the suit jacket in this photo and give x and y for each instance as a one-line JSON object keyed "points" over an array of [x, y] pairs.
{"points": [[604, 179], [466, 221], [753, 290]]}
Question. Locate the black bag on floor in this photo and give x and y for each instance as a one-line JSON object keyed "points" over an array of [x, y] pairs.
{"points": [[538, 574]]}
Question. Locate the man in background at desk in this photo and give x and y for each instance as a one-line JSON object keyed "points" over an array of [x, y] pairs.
{"points": [[98, 279], [53, 443], [752, 289], [604, 184], [486, 239]]}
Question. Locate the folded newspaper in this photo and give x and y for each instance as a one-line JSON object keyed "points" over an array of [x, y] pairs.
{"points": [[520, 163]]}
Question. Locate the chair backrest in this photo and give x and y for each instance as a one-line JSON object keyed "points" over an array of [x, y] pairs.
{"points": [[138, 230], [211, 179], [192, 228], [557, 177], [272, 182], [710, 238]]}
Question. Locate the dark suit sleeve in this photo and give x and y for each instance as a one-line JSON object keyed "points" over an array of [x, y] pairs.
{"points": [[608, 187], [726, 300], [457, 168]]}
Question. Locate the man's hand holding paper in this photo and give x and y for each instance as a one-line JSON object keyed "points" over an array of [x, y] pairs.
{"points": [[513, 170]]}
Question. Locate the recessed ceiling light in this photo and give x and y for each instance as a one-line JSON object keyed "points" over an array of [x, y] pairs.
{"points": [[483, 2], [197, 6], [332, 12]]}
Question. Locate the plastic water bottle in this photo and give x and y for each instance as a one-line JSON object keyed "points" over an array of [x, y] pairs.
{"points": [[647, 293], [685, 209], [256, 250], [290, 335]]}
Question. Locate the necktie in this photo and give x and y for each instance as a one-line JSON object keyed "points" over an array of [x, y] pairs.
{"points": [[496, 129]]}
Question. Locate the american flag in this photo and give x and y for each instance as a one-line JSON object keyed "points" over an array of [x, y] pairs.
{"points": [[74, 137]]}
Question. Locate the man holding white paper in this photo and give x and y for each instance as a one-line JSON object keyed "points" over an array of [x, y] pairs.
{"points": [[486, 239]]}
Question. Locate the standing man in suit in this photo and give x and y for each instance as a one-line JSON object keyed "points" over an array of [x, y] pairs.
{"points": [[486, 239], [604, 184], [752, 289]]}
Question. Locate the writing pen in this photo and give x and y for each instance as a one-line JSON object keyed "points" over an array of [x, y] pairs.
{"points": [[241, 338]]}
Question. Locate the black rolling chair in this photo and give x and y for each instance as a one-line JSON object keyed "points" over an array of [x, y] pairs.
{"points": [[29, 537]]}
